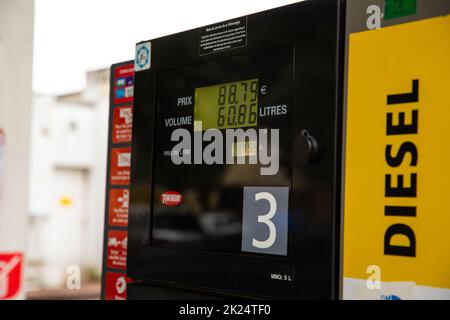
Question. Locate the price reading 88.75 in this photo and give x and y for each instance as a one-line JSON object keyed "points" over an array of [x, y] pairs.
{"points": [[237, 104]]}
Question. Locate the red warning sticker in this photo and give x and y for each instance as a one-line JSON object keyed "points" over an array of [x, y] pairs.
{"points": [[120, 166], [116, 286], [122, 124], [117, 249], [124, 84], [10, 274], [118, 207], [171, 198]]}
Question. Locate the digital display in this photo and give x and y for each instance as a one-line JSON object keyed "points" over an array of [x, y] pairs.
{"points": [[227, 204], [227, 105]]}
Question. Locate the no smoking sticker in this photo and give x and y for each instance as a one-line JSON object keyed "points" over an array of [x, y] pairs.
{"points": [[10, 274]]}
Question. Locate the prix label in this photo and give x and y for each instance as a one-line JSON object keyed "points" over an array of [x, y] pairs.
{"points": [[117, 249]]}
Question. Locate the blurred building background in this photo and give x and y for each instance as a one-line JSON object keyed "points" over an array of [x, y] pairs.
{"points": [[54, 123], [67, 183]]}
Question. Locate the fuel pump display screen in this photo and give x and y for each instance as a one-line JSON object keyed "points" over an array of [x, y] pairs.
{"points": [[222, 154], [227, 105], [235, 175]]}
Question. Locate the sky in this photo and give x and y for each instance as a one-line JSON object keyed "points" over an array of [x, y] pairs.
{"points": [[75, 36]]}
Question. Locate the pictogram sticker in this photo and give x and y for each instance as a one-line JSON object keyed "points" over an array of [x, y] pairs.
{"points": [[120, 166], [143, 56], [124, 84], [122, 124], [117, 249], [118, 207], [10, 274], [116, 286]]}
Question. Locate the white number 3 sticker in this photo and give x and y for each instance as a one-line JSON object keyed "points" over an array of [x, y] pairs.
{"points": [[266, 219]]}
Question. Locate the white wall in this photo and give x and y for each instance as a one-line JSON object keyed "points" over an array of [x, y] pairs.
{"points": [[16, 39], [16, 56]]}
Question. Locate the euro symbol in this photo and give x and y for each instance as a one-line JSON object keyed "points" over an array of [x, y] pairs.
{"points": [[263, 89]]}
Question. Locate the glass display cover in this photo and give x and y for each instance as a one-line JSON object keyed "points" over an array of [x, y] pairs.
{"points": [[200, 206]]}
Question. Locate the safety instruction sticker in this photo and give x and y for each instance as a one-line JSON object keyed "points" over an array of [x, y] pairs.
{"points": [[123, 85], [122, 124], [116, 286], [120, 166], [118, 207], [223, 36], [117, 249], [397, 170]]}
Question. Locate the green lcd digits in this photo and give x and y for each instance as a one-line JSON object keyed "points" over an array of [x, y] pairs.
{"points": [[227, 105]]}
